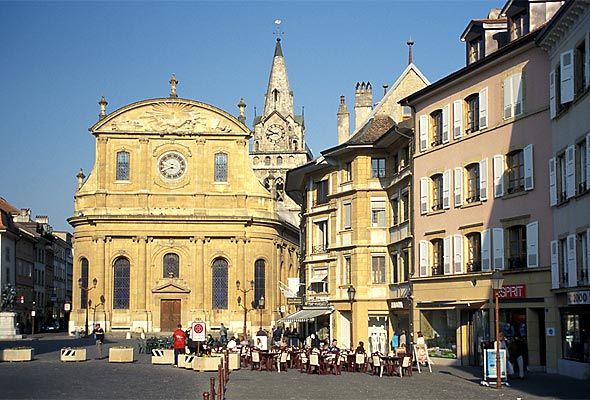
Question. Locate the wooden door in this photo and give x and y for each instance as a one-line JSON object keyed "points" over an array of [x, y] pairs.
{"points": [[169, 315]]}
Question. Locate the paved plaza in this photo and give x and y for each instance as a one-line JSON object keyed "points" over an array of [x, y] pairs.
{"points": [[48, 378]]}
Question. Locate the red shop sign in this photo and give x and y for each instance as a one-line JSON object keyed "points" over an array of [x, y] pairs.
{"points": [[513, 292]]}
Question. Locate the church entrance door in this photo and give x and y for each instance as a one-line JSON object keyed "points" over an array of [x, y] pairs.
{"points": [[169, 315]]}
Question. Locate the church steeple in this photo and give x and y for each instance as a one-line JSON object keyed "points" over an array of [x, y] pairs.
{"points": [[278, 94]]}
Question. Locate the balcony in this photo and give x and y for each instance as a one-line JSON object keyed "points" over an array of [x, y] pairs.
{"points": [[320, 200], [515, 189], [472, 199], [436, 270], [319, 249], [399, 232]]}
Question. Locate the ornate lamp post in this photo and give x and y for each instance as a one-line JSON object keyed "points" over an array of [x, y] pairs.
{"points": [[243, 305], [87, 306], [497, 280], [261, 307], [351, 291]]}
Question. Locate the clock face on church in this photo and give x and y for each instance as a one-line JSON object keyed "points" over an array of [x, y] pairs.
{"points": [[172, 165], [275, 133]]}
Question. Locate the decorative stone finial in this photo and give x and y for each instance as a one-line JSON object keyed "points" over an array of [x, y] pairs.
{"points": [[80, 177], [410, 43], [242, 108], [103, 108], [385, 86], [173, 83]]}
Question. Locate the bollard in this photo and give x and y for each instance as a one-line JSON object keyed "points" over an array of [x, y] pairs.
{"points": [[220, 373], [212, 387], [205, 395]]}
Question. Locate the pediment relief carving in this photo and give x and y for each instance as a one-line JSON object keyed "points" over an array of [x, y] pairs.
{"points": [[171, 286]]}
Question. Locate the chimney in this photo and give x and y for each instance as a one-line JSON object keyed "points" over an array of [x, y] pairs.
{"points": [[42, 219], [363, 103], [343, 121], [24, 215]]}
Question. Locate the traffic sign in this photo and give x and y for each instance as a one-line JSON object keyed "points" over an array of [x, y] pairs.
{"points": [[198, 331]]}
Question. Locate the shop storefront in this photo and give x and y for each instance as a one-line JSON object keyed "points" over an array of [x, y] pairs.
{"points": [[575, 334]]}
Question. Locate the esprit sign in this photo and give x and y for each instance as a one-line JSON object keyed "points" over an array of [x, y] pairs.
{"points": [[513, 292], [577, 298]]}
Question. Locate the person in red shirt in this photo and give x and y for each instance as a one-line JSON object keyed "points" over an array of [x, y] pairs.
{"points": [[179, 343]]}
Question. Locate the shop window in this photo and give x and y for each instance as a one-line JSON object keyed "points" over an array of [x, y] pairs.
{"points": [[219, 286], [517, 247], [474, 252], [378, 341], [171, 265], [439, 328], [121, 284], [437, 257], [575, 336], [259, 281]]}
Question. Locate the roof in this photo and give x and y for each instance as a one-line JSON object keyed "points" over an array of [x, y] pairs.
{"points": [[6, 206], [549, 30], [373, 129], [475, 22]]}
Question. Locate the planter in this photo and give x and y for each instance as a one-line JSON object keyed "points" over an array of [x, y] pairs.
{"points": [[162, 356], [234, 360], [121, 354], [69, 354], [186, 361], [17, 354], [206, 363]]}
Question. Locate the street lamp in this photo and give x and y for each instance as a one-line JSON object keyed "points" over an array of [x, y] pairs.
{"points": [[351, 293], [243, 305], [87, 289], [260, 307], [497, 280], [102, 300]]}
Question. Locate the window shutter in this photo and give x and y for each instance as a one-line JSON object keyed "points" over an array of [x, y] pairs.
{"points": [[552, 183], [458, 253], [570, 171], [447, 189], [483, 108], [587, 247], [587, 61], [498, 175], [486, 249], [572, 271], [554, 265], [457, 119], [458, 182], [445, 123], [588, 163], [447, 260], [532, 244], [517, 93], [552, 103], [423, 132], [498, 244], [423, 258], [507, 89], [567, 77], [423, 196], [529, 183], [483, 179]]}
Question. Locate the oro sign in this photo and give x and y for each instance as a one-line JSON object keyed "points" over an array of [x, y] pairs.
{"points": [[198, 332]]}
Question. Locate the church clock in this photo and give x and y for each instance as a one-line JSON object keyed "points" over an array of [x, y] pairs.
{"points": [[275, 133], [172, 165]]}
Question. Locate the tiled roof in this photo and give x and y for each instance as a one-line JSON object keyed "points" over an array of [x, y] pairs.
{"points": [[372, 130], [6, 206]]}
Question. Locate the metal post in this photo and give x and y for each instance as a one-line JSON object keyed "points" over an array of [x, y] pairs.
{"points": [[351, 340], [205, 395], [86, 323], [498, 366], [212, 387]]}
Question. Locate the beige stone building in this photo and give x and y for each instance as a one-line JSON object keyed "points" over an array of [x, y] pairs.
{"points": [[356, 209], [171, 216]]}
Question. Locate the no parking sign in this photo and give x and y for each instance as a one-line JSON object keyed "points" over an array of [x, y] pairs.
{"points": [[198, 332]]}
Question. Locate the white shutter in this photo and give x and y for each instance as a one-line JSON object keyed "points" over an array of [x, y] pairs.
{"points": [[458, 182], [517, 93], [458, 254], [552, 183], [483, 108], [507, 94], [447, 189], [498, 244], [483, 179], [445, 123], [532, 244], [572, 271], [587, 60], [447, 255], [529, 182], [554, 265], [423, 196], [588, 163], [552, 103], [423, 132], [423, 258], [570, 171], [486, 249], [567, 77], [457, 119], [498, 168]]}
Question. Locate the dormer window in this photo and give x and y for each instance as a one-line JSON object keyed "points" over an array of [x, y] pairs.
{"points": [[476, 49], [519, 25]]}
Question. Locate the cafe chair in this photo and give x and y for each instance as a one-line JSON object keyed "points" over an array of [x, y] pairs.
{"points": [[314, 363], [283, 361], [360, 361], [377, 364], [303, 361], [406, 367], [255, 359]]}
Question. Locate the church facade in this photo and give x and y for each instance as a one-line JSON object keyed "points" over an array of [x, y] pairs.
{"points": [[172, 216]]}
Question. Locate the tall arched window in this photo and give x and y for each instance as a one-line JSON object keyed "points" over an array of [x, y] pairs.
{"points": [[219, 284], [84, 277], [220, 167], [171, 265], [259, 280], [122, 166], [121, 284]]}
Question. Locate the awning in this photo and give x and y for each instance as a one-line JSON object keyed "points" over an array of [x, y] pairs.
{"points": [[306, 315], [319, 275], [452, 304]]}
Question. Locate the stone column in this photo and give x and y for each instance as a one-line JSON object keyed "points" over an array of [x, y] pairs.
{"points": [[98, 270], [200, 273], [141, 272]]}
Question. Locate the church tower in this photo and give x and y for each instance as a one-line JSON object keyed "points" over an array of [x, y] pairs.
{"points": [[279, 135]]}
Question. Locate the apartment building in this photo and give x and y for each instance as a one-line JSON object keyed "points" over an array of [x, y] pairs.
{"points": [[566, 39], [480, 198]]}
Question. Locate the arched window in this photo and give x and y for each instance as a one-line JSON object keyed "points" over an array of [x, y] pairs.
{"points": [[171, 266], [255, 160], [279, 160], [84, 277], [259, 281], [220, 167], [122, 166], [219, 284], [295, 144], [256, 145], [121, 284], [267, 160]]}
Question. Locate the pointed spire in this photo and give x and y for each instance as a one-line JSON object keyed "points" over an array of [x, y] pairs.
{"points": [[278, 93], [410, 43], [278, 48]]}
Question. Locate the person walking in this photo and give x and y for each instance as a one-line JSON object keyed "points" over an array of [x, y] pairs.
{"points": [[99, 337], [179, 343], [223, 334]]}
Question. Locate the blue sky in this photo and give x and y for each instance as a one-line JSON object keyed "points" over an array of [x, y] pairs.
{"points": [[58, 58]]}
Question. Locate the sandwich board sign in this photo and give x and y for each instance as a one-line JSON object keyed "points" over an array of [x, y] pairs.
{"points": [[490, 368]]}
